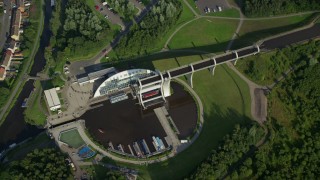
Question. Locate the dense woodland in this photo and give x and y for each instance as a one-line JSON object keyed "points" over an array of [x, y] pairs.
{"points": [[293, 148], [264, 69], [277, 7], [230, 154], [143, 37], [77, 32], [39, 164]]}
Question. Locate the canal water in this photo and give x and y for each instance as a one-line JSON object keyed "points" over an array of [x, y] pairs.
{"points": [[124, 122], [14, 129]]}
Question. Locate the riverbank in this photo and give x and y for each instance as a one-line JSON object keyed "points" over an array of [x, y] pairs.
{"points": [[20, 81], [14, 128]]}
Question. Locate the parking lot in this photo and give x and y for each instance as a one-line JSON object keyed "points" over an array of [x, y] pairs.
{"points": [[111, 16], [212, 5]]}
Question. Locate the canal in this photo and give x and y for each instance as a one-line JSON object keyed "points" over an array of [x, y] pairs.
{"points": [[15, 129], [124, 122]]}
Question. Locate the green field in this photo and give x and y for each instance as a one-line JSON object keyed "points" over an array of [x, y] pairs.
{"points": [[254, 30], [185, 16], [34, 113], [193, 5], [205, 34], [72, 138], [226, 101]]}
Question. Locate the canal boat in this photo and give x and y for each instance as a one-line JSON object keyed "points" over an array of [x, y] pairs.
{"points": [[101, 131], [24, 103]]}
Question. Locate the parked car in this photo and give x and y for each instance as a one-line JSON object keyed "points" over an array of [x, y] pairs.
{"points": [[106, 16], [97, 7]]}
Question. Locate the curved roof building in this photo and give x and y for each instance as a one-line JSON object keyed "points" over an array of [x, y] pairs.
{"points": [[121, 80]]}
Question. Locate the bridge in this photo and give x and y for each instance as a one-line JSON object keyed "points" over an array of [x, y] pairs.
{"points": [[153, 89]]}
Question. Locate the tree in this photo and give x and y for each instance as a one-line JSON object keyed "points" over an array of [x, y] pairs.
{"points": [[39, 164]]}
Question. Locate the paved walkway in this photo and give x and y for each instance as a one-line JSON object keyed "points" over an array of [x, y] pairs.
{"points": [[235, 35], [190, 7], [258, 99], [161, 114]]}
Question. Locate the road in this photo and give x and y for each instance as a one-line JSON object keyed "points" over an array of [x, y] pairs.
{"points": [[5, 23]]}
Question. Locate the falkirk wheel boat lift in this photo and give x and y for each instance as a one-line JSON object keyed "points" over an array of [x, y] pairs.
{"points": [[152, 90]]}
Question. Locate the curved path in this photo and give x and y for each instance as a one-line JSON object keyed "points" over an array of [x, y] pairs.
{"points": [[241, 19], [190, 7]]}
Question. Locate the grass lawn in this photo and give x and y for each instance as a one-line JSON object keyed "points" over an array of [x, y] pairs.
{"points": [[226, 13], [254, 30], [185, 16], [33, 113], [205, 34], [193, 5], [72, 138], [226, 101]]}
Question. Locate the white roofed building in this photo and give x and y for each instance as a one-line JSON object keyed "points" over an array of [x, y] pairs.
{"points": [[52, 99], [121, 80]]}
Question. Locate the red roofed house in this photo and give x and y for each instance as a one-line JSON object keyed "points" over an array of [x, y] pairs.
{"points": [[3, 73]]}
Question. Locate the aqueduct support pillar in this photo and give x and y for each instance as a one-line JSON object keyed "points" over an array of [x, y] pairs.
{"points": [[237, 57], [212, 69], [162, 82], [166, 85], [190, 76]]}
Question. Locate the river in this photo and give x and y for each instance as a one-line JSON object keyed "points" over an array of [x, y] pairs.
{"points": [[15, 129]]}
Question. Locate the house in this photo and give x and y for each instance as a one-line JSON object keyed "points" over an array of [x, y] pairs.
{"points": [[7, 60], [3, 73], [15, 28]]}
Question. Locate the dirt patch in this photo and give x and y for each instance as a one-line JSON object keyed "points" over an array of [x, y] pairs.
{"points": [[260, 103]]}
